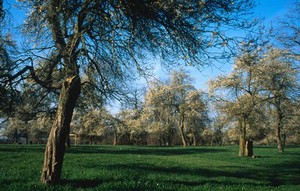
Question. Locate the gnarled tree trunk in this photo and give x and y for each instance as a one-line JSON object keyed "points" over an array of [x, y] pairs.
{"points": [[60, 130]]}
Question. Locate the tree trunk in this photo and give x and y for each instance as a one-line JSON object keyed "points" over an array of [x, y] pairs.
{"points": [[241, 146], [55, 148], [68, 142], [279, 141], [278, 131], [181, 132], [249, 148], [242, 139], [194, 140], [115, 141]]}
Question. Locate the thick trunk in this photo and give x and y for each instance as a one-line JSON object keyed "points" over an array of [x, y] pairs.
{"points": [[55, 147]]}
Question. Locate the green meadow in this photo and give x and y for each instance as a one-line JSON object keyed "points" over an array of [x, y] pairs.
{"points": [[153, 168]]}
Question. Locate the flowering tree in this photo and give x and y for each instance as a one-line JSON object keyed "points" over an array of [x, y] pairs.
{"points": [[279, 79], [112, 38]]}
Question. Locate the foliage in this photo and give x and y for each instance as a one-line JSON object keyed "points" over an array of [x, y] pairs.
{"points": [[176, 106], [92, 124], [258, 80]]}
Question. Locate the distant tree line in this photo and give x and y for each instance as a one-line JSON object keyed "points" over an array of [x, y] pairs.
{"points": [[258, 100]]}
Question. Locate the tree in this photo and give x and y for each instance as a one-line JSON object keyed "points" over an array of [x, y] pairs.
{"points": [[180, 87], [175, 105], [159, 112], [279, 79], [40, 126], [243, 92], [93, 124], [196, 115], [112, 37], [121, 129], [28, 115]]}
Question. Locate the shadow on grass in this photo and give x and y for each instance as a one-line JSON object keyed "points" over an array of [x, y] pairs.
{"points": [[271, 176], [286, 173], [82, 183]]}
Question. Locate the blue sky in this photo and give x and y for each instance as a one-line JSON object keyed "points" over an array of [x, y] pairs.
{"points": [[267, 9]]}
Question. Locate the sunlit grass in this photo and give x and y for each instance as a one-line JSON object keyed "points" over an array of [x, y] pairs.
{"points": [[153, 168]]}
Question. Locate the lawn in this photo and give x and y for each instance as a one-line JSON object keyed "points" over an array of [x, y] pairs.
{"points": [[153, 168]]}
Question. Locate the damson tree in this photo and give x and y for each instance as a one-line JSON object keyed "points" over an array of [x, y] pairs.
{"points": [[114, 39], [278, 76], [176, 105], [159, 113], [243, 88], [262, 89]]}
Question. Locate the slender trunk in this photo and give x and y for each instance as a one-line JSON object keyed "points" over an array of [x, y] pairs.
{"points": [[55, 148], [284, 139], [249, 148], [91, 139], [181, 131], [170, 137], [242, 139], [278, 131], [194, 140], [115, 142], [68, 142]]}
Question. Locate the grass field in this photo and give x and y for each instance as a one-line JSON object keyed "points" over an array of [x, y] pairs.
{"points": [[153, 168]]}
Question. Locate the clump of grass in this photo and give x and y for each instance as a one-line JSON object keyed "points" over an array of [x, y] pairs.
{"points": [[153, 168]]}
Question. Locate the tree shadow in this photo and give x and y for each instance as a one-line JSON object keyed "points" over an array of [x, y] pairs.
{"points": [[271, 176], [286, 173], [82, 183]]}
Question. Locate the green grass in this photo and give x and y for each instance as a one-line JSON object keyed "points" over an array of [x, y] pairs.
{"points": [[153, 168]]}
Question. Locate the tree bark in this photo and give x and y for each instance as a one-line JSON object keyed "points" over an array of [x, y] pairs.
{"points": [[170, 136], [194, 140], [55, 148], [249, 148], [181, 131], [68, 142], [241, 146], [115, 141], [278, 131], [242, 139]]}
